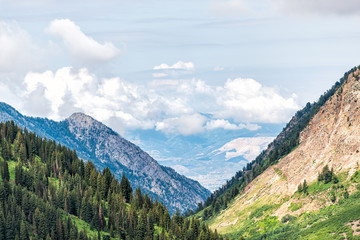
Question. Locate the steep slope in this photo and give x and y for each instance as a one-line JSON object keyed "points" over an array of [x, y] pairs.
{"points": [[331, 138], [47, 192], [283, 144], [94, 141]]}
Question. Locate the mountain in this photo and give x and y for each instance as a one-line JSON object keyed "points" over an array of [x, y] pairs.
{"points": [[211, 157], [47, 192], [94, 141], [306, 184]]}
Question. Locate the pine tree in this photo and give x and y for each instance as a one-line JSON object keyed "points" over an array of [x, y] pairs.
{"points": [[125, 188], [22, 153], [41, 224], [141, 227], [93, 179], [100, 186], [107, 178], [305, 187], [138, 198], [5, 172], [10, 229], [2, 224], [18, 174]]}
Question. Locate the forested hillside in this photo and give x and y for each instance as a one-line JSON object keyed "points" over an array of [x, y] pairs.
{"points": [[96, 142], [47, 192], [284, 143]]}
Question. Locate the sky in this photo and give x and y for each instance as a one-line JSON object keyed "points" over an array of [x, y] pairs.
{"points": [[181, 68]]}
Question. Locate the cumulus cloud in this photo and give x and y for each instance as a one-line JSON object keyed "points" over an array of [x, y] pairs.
{"points": [[18, 53], [80, 45], [188, 66], [248, 100], [184, 107], [121, 104], [225, 124], [185, 125]]}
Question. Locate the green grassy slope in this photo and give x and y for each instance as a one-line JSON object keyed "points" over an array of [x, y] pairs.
{"points": [[337, 219]]}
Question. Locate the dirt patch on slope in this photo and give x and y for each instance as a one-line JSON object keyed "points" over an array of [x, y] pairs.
{"points": [[332, 138]]}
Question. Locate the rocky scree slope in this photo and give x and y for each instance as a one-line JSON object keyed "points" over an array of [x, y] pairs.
{"points": [[283, 144], [331, 138], [94, 141]]}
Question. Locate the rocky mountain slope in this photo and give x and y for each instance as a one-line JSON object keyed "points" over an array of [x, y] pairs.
{"points": [[94, 141], [331, 138]]}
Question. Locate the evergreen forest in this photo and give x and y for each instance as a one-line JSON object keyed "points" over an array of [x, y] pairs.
{"points": [[47, 192]]}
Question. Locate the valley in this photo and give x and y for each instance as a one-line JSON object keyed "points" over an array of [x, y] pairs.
{"points": [[179, 120]]}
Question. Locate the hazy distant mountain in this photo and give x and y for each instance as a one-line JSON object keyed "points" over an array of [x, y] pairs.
{"points": [[211, 157], [95, 141]]}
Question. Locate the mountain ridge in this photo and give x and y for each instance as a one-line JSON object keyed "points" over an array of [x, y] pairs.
{"points": [[329, 140], [286, 141], [95, 141]]}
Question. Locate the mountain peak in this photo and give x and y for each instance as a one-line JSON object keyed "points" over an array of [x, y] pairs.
{"points": [[81, 120], [79, 116], [94, 141]]}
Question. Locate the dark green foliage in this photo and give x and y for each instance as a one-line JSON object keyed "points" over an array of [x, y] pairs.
{"points": [[5, 172], [327, 176], [303, 187], [287, 218], [53, 189], [125, 188]]}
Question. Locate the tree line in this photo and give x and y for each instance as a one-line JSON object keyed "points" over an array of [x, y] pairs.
{"points": [[46, 191], [287, 141]]}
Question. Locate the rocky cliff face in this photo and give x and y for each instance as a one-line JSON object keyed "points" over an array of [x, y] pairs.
{"points": [[143, 171], [94, 141], [331, 138]]}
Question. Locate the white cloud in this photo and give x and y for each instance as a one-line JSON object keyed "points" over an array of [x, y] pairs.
{"points": [[225, 124], [185, 125], [248, 100], [121, 104], [184, 107], [80, 45], [18, 53], [344, 7], [188, 66]]}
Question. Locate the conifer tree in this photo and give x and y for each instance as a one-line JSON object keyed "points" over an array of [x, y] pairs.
{"points": [[5, 172], [141, 227], [125, 188], [41, 224]]}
